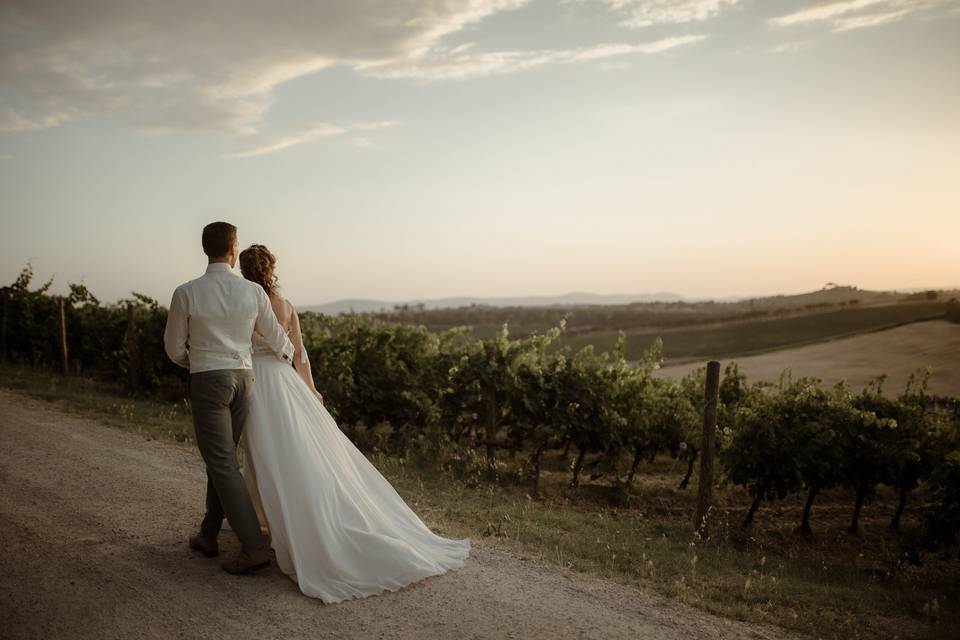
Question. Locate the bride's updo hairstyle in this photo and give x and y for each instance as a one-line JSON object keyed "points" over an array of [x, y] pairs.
{"points": [[257, 264]]}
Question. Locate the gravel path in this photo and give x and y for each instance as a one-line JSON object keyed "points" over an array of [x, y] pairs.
{"points": [[94, 522]]}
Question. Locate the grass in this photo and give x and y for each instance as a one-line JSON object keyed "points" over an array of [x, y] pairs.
{"points": [[757, 336], [829, 585], [105, 402]]}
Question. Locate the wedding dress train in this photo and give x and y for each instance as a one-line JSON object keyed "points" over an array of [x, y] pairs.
{"points": [[339, 529]]}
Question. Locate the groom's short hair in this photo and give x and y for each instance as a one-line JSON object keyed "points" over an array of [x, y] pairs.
{"points": [[218, 238]]}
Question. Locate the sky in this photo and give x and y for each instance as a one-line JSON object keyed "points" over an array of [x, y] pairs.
{"points": [[406, 149]]}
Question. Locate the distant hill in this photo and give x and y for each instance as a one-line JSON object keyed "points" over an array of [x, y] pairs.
{"points": [[574, 299], [830, 294]]}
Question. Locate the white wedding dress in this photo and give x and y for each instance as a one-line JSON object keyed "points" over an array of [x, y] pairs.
{"points": [[338, 528]]}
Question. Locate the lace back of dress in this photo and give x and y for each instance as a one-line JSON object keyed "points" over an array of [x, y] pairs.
{"points": [[259, 343]]}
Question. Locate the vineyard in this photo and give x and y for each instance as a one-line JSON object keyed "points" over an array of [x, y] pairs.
{"points": [[499, 404]]}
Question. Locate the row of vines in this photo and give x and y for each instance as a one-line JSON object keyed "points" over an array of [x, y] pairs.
{"points": [[404, 389]]}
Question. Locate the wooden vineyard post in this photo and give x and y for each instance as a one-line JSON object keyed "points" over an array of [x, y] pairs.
{"points": [[3, 329], [133, 356], [63, 338], [491, 430], [705, 492]]}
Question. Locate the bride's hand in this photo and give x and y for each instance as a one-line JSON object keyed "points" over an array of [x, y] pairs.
{"points": [[319, 397]]}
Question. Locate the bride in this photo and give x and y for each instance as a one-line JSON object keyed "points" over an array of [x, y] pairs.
{"points": [[338, 528]]}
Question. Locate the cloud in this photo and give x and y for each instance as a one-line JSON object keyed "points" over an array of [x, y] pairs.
{"points": [[611, 50], [14, 120], [441, 65], [191, 65], [845, 15], [644, 13], [194, 64], [825, 11], [869, 20], [789, 47], [322, 130], [373, 126], [312, 133]]}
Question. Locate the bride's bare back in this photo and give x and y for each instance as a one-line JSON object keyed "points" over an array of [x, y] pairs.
{"points": [[283, 310], [290, 321]]}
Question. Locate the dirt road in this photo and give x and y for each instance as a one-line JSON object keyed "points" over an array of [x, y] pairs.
{"points": [[93, 524]]}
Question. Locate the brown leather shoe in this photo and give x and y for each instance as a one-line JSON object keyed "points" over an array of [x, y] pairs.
{"points": [[205, 545], [248, 561]]}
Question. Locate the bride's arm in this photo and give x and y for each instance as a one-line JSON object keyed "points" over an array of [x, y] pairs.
{"points": [[300, 360]]}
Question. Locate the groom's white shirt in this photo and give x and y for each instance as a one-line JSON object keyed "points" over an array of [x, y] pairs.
{"points": [[212, 319]]}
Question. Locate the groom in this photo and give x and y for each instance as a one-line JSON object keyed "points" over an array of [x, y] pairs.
{"points": [[209, 328]]}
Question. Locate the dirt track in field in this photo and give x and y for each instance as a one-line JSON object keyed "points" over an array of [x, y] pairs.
{"points": [[94, 522]]}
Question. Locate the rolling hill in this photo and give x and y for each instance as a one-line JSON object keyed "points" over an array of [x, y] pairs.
{"points": [[898, 352]]}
